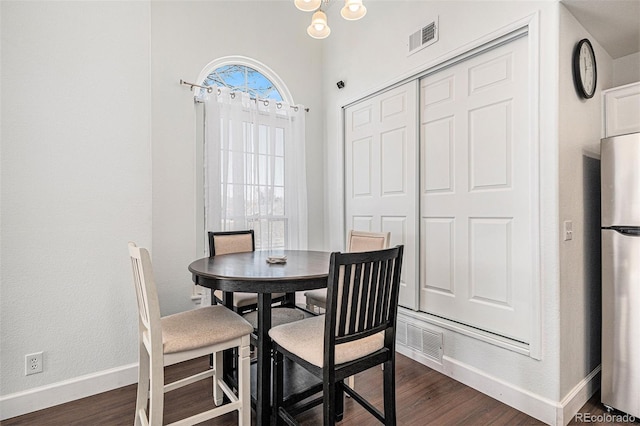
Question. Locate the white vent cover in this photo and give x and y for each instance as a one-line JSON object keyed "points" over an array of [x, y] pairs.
{"points": [[428, 342], [423, 37]]}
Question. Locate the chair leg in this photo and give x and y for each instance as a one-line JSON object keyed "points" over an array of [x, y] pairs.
{"points": [[278, 369], [143, 385], [218, 394], [389, 393], [329, 404], [244, 382], [340, 400], [156, 400]]}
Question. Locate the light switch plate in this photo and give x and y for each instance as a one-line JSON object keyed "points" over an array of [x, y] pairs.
{"points": [[568, 230]]}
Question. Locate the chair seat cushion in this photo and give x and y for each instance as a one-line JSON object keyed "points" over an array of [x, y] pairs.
{"points": [[305, 339], [201, 327], [241, 299], [317, 297], [279, 316]]}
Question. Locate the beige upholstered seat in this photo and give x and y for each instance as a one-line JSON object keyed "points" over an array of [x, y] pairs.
{"points": [[306, 340], [357, 241], [356, 333], [279, 316], [180, 337]]}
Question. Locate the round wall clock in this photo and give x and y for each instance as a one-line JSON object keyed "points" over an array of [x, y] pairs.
{"points": [[585, 72]]}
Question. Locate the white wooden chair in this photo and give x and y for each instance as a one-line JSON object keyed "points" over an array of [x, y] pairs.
{"points": [[183, 336]]}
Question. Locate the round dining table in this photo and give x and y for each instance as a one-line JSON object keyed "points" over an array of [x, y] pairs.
{"points": [[251, 272]]}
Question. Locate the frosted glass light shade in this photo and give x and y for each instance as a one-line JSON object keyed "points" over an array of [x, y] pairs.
{"points": [[319, 27], [308, 5], [353, 10]]}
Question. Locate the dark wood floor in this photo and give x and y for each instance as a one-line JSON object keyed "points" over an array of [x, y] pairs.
{"points": [[424, 397]]}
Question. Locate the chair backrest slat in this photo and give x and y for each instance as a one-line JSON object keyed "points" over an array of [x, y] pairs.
{"points": [[141, 296], [146, 293]]}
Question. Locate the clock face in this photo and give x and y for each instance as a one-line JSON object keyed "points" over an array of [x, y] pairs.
{"points": [[584, 69]]}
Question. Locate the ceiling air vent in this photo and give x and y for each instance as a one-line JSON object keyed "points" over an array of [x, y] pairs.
{"points": [[425, 36]]}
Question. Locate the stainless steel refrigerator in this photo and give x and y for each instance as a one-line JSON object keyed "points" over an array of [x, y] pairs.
{"points": [[620, 197]]}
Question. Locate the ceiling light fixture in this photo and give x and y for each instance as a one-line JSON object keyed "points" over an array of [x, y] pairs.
{"points": [[308, 5], [353, 10], [319, 28]]}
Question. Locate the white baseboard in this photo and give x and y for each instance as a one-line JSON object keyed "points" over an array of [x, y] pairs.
{"points": [[543, 409], [35, 399], [578, 396]]}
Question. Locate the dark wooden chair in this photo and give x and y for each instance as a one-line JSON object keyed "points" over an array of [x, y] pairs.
{"points": [[356, 241], [246, 304], [357, 333], [225, 242]]}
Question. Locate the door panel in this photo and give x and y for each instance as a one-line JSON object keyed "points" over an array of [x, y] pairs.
{"points": [[381, 174], [475, 203]]}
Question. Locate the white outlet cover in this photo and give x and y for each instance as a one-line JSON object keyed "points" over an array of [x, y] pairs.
{"points": [[33, 363]]}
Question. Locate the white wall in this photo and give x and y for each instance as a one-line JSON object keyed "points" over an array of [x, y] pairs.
{"points": [[185, 37], [626, 70], [76, 185], [370, 54], [579, 201], [98, 147]]}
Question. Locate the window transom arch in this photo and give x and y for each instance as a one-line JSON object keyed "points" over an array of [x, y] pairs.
{"points": [[243, 74]]}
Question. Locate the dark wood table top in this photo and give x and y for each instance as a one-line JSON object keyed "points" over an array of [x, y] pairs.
{"points": [[250, 272]]}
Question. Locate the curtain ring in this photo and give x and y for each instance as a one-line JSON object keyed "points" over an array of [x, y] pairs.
{"points": [[279, 105], [266, 102], [219, 91], [295, 108], [233, 95]]}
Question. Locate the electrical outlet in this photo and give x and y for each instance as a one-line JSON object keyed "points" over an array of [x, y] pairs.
{"points": [[33, 363]]}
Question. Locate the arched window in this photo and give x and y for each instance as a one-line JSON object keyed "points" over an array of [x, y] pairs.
{"points": [[242, 78], [254, 174], [242, 74]]}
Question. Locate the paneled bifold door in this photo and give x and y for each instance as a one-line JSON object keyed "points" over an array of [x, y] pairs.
{"points": [[471, 177], [475, 204], [380, 174]]}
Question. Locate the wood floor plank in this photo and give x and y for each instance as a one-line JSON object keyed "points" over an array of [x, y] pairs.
{"points": [[423, 397]]}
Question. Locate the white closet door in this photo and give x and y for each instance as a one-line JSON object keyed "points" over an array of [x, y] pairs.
{"points": [[381, 174], [476, 202]]}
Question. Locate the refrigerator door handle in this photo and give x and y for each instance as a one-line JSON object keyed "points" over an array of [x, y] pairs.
{"points": [[629, 231]]}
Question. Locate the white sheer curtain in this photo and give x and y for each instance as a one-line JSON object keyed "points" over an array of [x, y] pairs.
{"points": [[255, 169]]}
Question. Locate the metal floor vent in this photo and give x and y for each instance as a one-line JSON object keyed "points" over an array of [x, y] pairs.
{"points": [[425, 36], [427, 342]]}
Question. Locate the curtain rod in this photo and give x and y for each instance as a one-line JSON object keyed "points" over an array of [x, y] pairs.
{"points": [[209, 89]]}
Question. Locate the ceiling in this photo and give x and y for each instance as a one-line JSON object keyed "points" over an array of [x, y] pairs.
{"points": [[615, 24]]}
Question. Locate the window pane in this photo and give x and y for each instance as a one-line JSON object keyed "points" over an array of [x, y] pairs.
{"points": [[279, 142], [278, 201], [241, 78], [279, 171]]}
